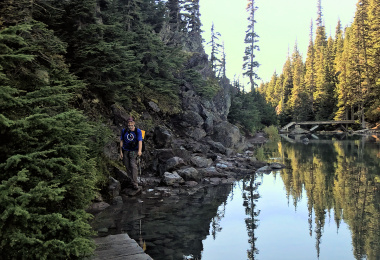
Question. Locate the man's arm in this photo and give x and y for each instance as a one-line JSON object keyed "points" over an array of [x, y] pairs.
{"points": [[139, 153]]}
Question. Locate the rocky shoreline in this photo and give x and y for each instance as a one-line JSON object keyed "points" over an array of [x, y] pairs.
{"points": [[180, 178]]}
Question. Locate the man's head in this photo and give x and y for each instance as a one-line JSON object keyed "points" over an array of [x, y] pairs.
{"points": [[131, 123]]}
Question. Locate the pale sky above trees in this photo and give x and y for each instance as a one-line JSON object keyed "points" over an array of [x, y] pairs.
{"points": [[279, 25]]}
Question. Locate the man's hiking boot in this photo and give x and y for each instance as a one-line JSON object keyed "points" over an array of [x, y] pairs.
{"points": [[133, 191]]}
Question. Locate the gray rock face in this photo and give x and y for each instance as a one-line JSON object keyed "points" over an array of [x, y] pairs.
{"points": [[171, 179], [197, 147], [190, 174], [121, 175], [228, 135], [174, 163], [191, 118], [222, 101], [154, 106], [98, 207], [162, 137], [120, 116], [195, 133], [217, 147], [114, 187], [201, 162], [211, 172]]}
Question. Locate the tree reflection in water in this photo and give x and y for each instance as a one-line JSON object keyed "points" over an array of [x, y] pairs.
{"points": [[339, 175], [250, 196], [340, 179]]}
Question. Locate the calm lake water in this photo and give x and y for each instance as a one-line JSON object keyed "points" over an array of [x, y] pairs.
{"points": [[324, 205]]}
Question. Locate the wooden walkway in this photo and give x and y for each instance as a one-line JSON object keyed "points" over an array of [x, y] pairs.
{"points": [[118, 247], [316, 123]]}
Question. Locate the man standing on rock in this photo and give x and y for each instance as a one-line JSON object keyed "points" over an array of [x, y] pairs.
{"points": [[130, 148]]}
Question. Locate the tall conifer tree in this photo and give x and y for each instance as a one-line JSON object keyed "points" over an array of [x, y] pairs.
{"points": [[299, 98], [215, 49], [362, 80], [250, 65], [287, 86], [319, 95], [310, 76], [343, 89], [373, 57]]}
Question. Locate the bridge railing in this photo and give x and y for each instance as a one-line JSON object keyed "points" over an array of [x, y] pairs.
{"points": [[327, 122]]}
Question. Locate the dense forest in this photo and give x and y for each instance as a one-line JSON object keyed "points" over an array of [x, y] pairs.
{"points": [[63, 64], [340, 78]]}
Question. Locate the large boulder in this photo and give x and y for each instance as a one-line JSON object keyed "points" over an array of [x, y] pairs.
{"points": [[97, 207], [222, 100], [201, 162], [190, 174], [209, 119], [211, 172], [197, 147], [114, 187], [196, 133], [174, 163], [162, 137], [154, 106], [209, 125], [172, 178], [229, 135], [122, 177], [120, 116], [191, 118], [217, 147]]}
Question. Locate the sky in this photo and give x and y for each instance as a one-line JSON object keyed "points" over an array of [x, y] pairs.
{"points": [[279, 24]]}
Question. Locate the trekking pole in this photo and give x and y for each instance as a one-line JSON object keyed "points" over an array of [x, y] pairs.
{"points": [[139, 165]]}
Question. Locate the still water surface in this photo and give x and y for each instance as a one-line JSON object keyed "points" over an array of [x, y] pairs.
{"points": [[324, 205]]}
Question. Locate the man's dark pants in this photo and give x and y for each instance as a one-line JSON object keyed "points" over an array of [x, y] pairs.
{"points": [[129, 160]]}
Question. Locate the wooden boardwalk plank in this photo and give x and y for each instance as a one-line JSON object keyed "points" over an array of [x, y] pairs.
{"points": [[118, 247]]}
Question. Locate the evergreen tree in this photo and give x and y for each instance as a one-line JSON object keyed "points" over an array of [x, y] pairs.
{"points": [[154, 14], [47, 177], [338, 42], [299, 99], [343, 70], [270, 94], [215, 49], [223, 63], [319, 96], [361, 32], [174, 14], [191, 17], [338, 59], [244, 112], [287, 86], [250, 65], [373, 58], [279, 94], [310, 76], [99, 39]]}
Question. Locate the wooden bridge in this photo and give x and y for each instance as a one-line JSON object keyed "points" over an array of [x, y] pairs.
{"points": [[315, 124]]}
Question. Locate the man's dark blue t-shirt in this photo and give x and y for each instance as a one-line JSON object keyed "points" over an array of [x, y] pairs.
{"points": [[130, 140]]}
